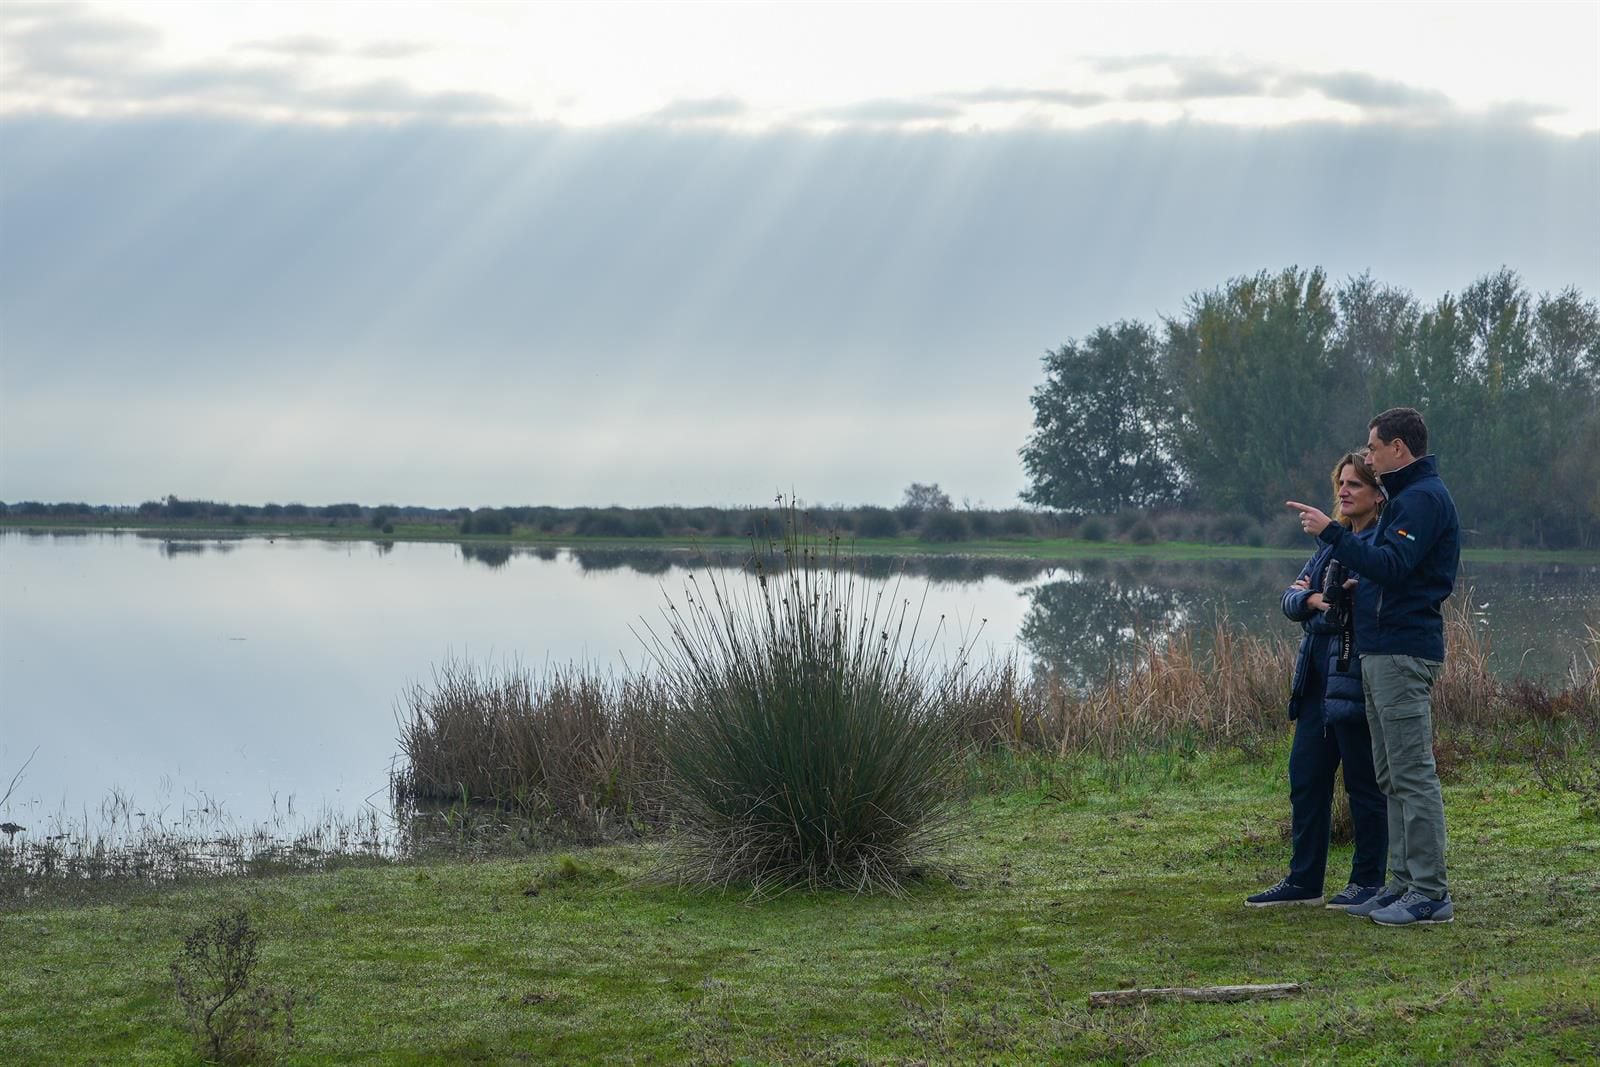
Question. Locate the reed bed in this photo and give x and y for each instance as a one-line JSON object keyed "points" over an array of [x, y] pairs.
{"points": [[576, 752]]}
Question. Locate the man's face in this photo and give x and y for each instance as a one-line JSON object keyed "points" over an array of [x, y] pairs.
{"points": [[1384, 456]]}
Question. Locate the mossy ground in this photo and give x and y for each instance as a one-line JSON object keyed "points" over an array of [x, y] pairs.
{"points": [[1063, 879]]}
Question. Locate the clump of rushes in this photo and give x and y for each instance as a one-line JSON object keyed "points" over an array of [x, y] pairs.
{"points": [[807, 745]]}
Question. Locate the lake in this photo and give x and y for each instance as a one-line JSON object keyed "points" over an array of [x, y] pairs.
{"points": [[259, 680]]}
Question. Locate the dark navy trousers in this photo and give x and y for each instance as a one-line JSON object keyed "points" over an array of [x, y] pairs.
{"points": [[1319, 749]]}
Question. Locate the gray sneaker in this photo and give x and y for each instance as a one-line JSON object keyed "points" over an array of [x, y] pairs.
{"points": [[1415, 909], [1382, 900]]}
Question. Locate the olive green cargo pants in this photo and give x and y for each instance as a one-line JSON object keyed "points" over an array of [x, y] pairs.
{"points": [[1399, 693]]}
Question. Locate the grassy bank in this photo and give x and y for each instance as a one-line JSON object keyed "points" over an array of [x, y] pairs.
{"points": [[1038, 548], [1068, 876]]}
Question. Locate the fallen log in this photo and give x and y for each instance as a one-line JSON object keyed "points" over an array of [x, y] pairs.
{"points": [[1110, 998]]}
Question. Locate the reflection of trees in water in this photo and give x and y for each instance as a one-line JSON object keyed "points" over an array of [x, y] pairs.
{"points": [[175, 549], [952, 569], [644, 561], [1085, 624], [492, 556], [1094, 617]]}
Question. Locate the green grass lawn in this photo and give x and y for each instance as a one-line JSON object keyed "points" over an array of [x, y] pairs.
{"points": [[1062, 884]]}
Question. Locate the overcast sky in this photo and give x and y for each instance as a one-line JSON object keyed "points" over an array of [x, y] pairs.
{"points": [[496, 254]]}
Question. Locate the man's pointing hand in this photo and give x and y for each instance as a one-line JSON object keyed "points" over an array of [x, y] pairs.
{"points": [[1312, 521]]}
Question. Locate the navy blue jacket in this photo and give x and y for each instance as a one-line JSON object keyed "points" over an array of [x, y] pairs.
{"points": [[1409, 567], [1342, 696]]}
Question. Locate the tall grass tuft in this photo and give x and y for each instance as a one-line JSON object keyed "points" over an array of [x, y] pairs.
{"points": [[807, 746], [576, 751]]}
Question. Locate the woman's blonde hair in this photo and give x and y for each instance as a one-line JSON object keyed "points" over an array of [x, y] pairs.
{"points": [[1364, 471]]}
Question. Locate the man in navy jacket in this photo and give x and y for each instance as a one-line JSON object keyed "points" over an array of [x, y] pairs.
{"points": [[1410, 569]]}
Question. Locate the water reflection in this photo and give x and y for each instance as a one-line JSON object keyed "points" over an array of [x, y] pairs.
{"points": [[1084, 624], [1095, 613], [646, 561], [492, 556], [942, 569]]}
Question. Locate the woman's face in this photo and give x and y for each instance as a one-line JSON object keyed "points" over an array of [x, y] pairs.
{"points": [[1358, 500]]}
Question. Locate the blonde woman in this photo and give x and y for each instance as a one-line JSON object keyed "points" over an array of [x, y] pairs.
{"points": [[1328, 707]]}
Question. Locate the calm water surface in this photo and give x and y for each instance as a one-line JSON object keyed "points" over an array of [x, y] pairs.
{"points": [[262, 678]]}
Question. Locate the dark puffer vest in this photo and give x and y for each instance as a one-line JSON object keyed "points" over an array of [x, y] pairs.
{"points": [[1329, 636]]}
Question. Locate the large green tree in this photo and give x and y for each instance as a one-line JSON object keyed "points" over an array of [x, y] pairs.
{"points": [[1261, 416], [1249, 395], [1103, 422]]}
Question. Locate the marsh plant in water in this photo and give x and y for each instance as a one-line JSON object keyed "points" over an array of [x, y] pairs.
{"points": [[806, 744]]}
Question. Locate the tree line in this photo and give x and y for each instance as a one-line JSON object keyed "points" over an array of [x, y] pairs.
{"points": [[925, 513], [1248, 396]]}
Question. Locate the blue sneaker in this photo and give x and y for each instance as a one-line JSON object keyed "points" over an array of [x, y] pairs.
{"points": [[1382, 899], [1285, 892], [1416, 909], [1353, 895]]}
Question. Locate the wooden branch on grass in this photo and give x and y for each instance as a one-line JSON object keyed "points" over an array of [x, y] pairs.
{"points": [[1110, 998]]}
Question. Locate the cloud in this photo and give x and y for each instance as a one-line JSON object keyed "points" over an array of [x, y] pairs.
{"points": [[1205, 82], [1375, 98], [391, 50], [888, 112], [701, 109], [390, 96], [1059, 97], [83, 60], [69, 42], [1368, 91], [1160, 79], [305, 44], [75, 55], [314, 46]]}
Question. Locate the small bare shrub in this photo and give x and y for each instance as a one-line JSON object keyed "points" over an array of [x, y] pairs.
{"points": [[232, 1017]]}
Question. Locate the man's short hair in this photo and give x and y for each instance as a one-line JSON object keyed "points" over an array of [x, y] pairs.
{"points": [[1406, 424]]}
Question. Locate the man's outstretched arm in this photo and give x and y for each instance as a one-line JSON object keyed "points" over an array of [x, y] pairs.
{"points": [[1413, 527]]}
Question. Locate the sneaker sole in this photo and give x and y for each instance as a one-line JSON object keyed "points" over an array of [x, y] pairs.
{"points": [[1414, 922], [1308, 902]]}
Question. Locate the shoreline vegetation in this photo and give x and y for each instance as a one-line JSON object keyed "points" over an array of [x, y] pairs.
{"points": [[574, 755], [1032, 547]]}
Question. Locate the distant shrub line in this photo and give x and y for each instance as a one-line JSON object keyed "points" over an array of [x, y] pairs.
{"points": [[936, 526]]}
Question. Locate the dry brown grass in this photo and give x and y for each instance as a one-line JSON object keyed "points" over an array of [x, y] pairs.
{"points": [[1226, 686], [572, 749], [1230, 686]]}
